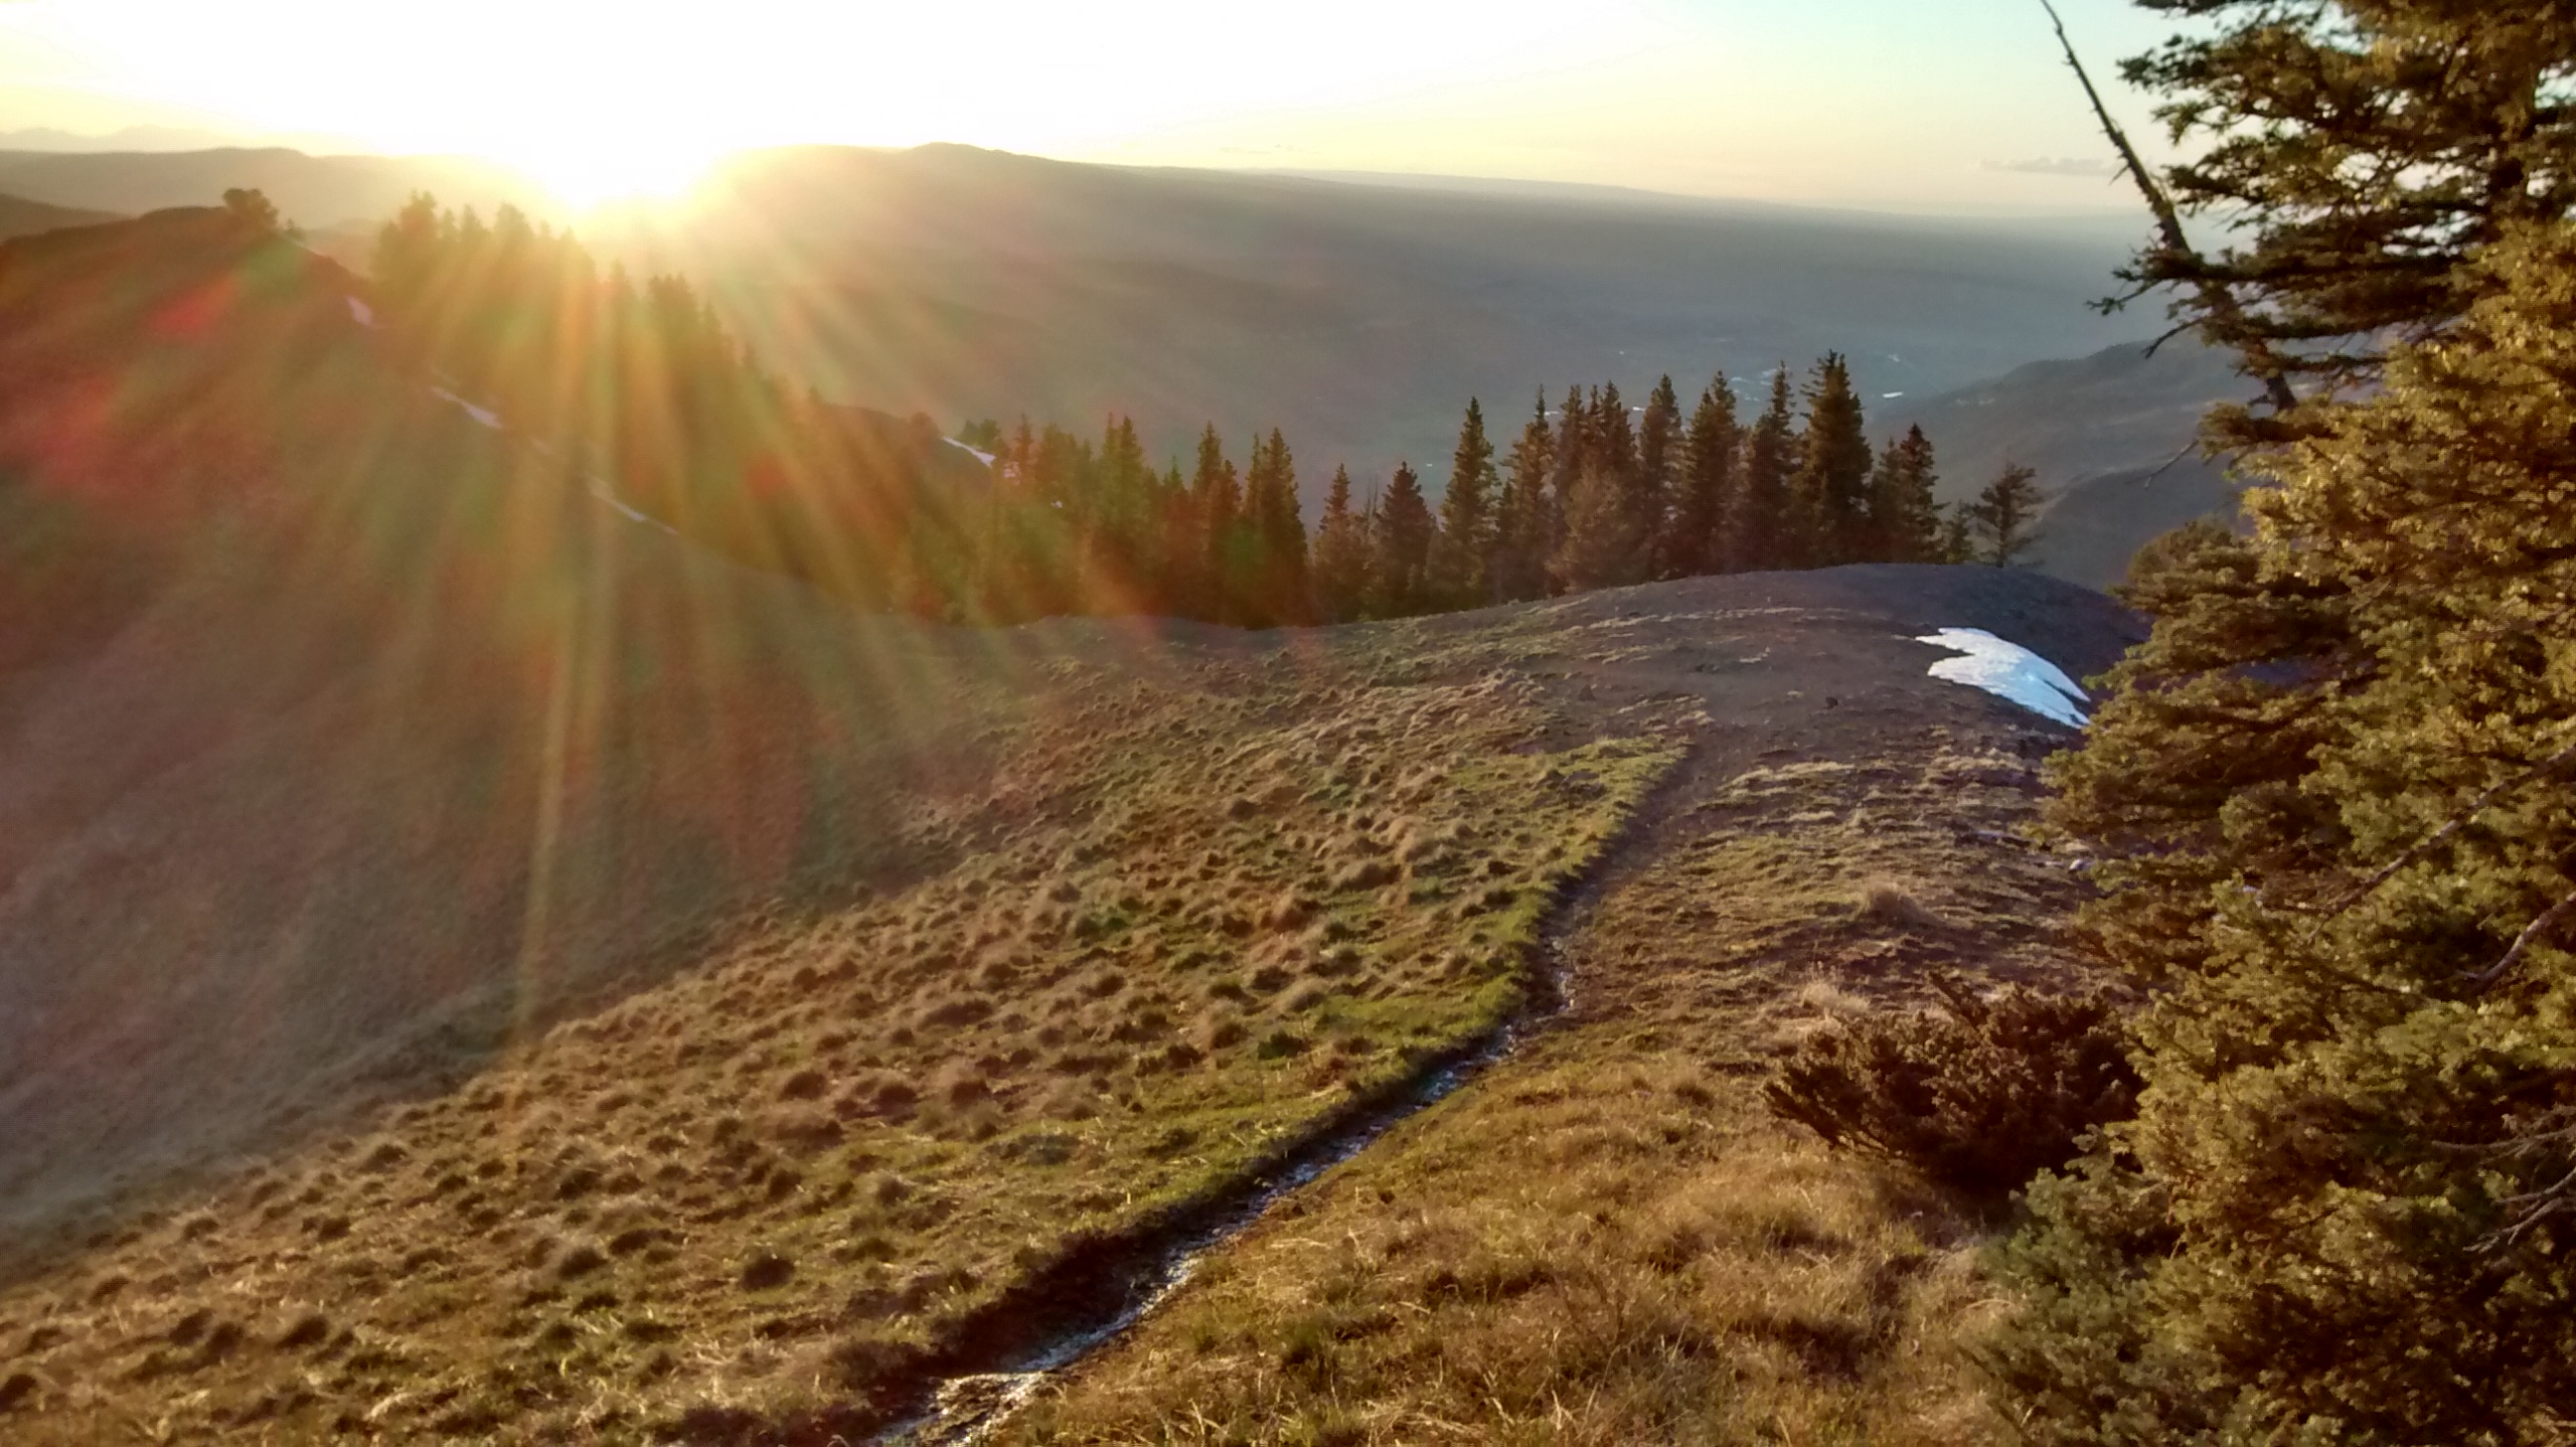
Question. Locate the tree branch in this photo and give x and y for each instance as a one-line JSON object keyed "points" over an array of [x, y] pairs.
{"points": [[2219, 302], [2453, 825], [2531, 934]]}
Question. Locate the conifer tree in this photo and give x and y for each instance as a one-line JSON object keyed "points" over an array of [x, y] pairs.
{"points": [[1614, 439], [1695, 542], [1904, 517], [1464, 553], [1344, 551], [1576, 447], [1404, 544], [1601, 547], [1758, 527], [1659, 459], [2330, 797], [1276, 575], [1216, 497], [1524, 519], [1832, 484], [2005, 516], [1405, 531]]}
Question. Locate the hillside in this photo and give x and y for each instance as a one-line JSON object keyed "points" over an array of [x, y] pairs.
{"points": [[2107, 434], [21, 217], [475, 964]]}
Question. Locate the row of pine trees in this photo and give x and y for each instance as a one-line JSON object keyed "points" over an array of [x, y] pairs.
{"points": [[1593, 494]]}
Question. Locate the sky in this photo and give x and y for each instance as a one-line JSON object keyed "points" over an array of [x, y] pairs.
{"points": [[1950, 106]]}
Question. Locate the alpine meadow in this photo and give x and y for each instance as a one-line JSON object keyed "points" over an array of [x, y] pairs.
{"points": [[1700, 722]]}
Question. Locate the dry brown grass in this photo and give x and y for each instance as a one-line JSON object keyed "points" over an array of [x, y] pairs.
{"points": [[774, 1182]]}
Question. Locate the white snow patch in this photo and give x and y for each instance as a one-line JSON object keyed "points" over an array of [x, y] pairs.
{"points": [[2009, 671], [361, 313], [977, 453], [483, 415]]}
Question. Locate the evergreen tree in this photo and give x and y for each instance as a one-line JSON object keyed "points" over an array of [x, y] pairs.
{"points": [[1832, 483], [1276, 575], [1216, 498], [2005, 515], [1758, 526], [1614, 439], [1460, 561], [1405, 531], [1904, 517], [1659, 462], [1524, 519], [1695, 541], [2330, 797], [1344, 552], [1601, 548], [1577, 447]]}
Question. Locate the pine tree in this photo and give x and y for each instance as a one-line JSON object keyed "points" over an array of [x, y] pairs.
{"points": [[1695, 541], [1601, 548], [1275, 587], [1216, 497], [1524, 518], [2005, 514], [1460, 561], [1758, 527], [1831, 489], [1614, 439], [1405, 533], [1659, 462], [2330, 801], [1904, 517], [1344, 552], [1577, 447]]}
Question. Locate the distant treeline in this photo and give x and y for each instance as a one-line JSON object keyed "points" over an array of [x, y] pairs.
{"points": [[1592, 495], [645, 390]]}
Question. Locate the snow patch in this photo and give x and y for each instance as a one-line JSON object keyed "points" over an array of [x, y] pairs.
{"points": [[361, 313], [483, 415], [979, 454], [2009, 671]]}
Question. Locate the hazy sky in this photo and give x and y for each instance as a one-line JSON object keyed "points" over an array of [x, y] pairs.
{"points": [[1942, 105]]}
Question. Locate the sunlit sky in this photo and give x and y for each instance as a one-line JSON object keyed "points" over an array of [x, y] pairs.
{"points": [[1921, 105]]}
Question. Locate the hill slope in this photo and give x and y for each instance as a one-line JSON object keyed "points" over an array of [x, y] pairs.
{"points": [[475, 965], [2108, 434], [21, 217]]}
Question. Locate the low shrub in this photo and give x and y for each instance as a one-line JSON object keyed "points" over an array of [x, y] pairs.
{"points": [[1978, 1096]]}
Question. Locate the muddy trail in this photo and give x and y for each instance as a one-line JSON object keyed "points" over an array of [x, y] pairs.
{"points": [[1097, 1290]]}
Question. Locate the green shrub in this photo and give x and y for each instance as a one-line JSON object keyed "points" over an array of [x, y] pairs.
{"points": [[1978, 1096]]}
